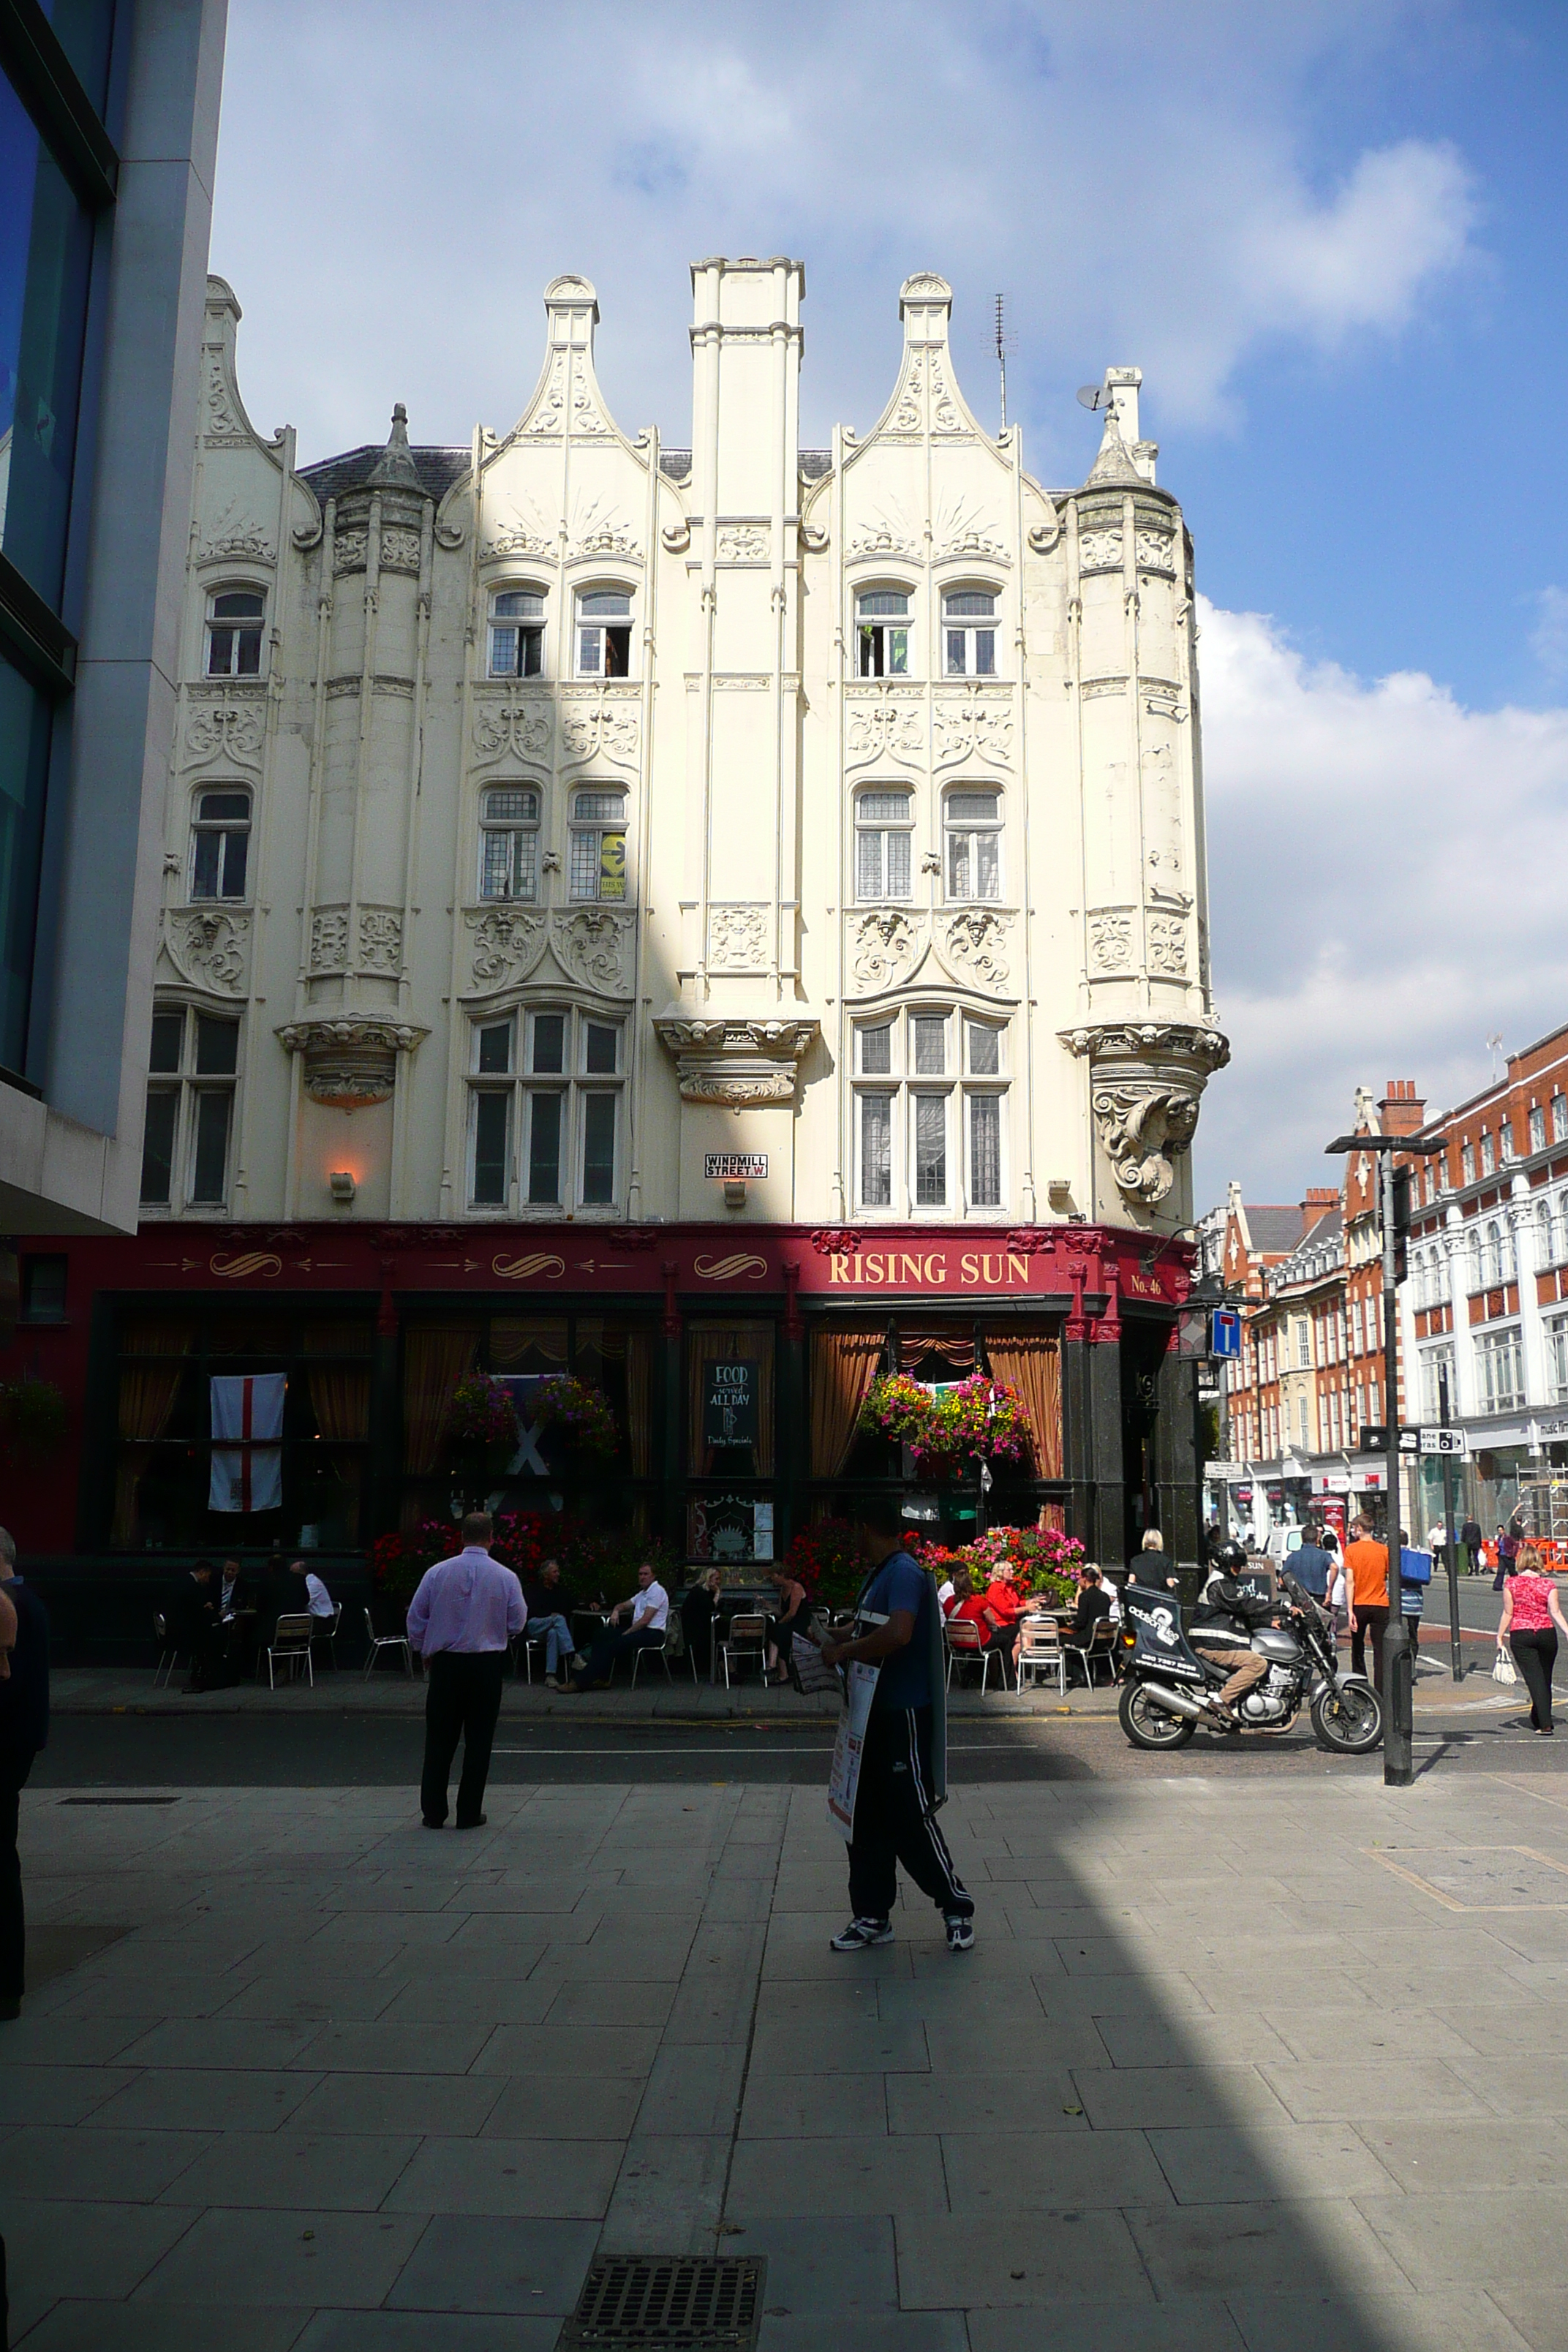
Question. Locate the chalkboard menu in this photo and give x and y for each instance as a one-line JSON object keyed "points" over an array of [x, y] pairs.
{"points": [[729, 1404]]}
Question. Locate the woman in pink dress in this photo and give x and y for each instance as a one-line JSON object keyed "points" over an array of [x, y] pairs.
{"points": [[1531, 1620]]}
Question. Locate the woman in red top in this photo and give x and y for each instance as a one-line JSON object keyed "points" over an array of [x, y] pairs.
{"points": [[1532, 1619]]}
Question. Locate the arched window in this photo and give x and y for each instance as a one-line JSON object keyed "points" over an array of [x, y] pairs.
{"points": [[234, 616], [517, 633], [508, 843], [968, 634], [973, 821], [882, 844], [598, 845], [882, 633], [605, 633], [220, 843], [1491, 1255]]}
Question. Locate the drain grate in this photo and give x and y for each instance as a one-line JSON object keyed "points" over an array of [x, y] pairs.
{"points": [[711, 2304], [120, 1801]]}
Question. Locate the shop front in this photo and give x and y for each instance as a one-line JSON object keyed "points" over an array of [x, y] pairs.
{"points": [[256, 1388]]}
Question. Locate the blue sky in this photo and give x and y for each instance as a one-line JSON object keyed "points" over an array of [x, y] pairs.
{"points": [[1330, 233]]}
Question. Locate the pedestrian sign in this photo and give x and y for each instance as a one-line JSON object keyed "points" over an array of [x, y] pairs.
{"points": [[1226, 1337], [1445, 1441]]}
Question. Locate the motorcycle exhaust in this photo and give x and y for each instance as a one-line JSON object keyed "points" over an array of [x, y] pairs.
{"points": [[1177, 1701]]}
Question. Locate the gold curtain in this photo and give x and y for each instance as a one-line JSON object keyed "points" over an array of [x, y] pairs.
{"points": [[513, 1336], [956, 1348], [639, 1400], [340, 1399], [436, 1357], [147, 1393], [338, 1338], [1030, 1361], [747, 1342], [843, 1366]]}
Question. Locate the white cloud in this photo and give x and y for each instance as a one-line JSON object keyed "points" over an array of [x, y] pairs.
{"points": [[1384, 871], [396, 184]]}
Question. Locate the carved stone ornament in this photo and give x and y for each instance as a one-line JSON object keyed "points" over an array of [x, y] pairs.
{"points": [[330, 939], [514, 726], [972, 726], [883, 725], [208, 946], [1110, 942], [1167, 945], [884, 949], [737, 1062], [737, 938], [596, 946], [225, 421], [225, 727], [972, 944], [607, 724], [1146, 1081], [882, 538], [1099, 550], [551, 401], [350, 551], [234, 534], [1157, 552], [744, 543], [513, 537], [909, 414], [380, 940], [400, 550], [351, 1059], [676, 537], [509, 944], [945, 416]]}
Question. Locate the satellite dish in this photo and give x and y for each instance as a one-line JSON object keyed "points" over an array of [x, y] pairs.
{"points": [[1092, 396]]}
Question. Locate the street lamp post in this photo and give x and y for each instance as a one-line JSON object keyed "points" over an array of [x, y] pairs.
{"points": [[1398, 1724]]}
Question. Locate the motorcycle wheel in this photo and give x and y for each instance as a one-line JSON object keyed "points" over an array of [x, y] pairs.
{"points": [[1348, 1721], [1147, 1725]]}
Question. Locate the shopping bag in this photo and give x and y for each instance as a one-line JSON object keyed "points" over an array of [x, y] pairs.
{"points": [[1503, 1672]]}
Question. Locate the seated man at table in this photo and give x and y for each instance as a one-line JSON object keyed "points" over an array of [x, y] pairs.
{"points": [[196, 1627], [648, 1610], [548, 1622], [1093, 1603]]}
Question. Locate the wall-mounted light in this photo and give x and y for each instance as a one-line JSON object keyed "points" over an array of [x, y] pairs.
{"points": [[735, 1193], [343, 1188]]}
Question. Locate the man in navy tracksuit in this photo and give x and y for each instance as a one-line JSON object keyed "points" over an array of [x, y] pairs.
{"points": [[898, 1795]]}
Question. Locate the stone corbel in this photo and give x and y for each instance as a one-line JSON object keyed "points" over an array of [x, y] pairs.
{"points": [[739, 1063], [351, 1059], [1146, 1082]]}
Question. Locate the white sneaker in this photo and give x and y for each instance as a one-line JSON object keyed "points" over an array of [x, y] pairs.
{"points": [[960, 1932], [862, 1934]]}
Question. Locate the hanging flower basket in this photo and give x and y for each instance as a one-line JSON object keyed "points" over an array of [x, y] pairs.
{"points": [[898, 1409], [947, 1432], [580, 1411], [482, 1432]]}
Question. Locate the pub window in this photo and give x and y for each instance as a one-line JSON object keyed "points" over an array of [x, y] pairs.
{"points": [[973, 821], [968, 634], [605, 633], [192, 1073], [234, 616], [882, 844], [930, 1091], [43, 1289], [508, 843], [598, 846], [882, 633], [220, 845], [517, 634], [545, 1110]]}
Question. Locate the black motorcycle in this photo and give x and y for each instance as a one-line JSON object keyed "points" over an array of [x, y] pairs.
{"points": [[1168, 1692]]}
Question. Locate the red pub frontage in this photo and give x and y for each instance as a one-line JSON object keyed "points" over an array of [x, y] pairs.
{"points": [[372, 1328]]}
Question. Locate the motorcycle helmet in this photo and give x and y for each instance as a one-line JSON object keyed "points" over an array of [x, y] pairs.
{"points": [[1231, 1559]]}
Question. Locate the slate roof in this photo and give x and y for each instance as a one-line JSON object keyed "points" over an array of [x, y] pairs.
{"points": [[1274, 1232], [815, 463], [437, 467]]}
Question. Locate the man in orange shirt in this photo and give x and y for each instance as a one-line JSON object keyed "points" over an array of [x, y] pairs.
{"points": [[1367, 1599]]}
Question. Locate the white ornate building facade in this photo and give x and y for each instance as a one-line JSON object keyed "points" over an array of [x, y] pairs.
{"points": [[588, 862]]}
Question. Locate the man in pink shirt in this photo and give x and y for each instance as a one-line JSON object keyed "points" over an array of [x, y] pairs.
{"points": [[466, 1611]]}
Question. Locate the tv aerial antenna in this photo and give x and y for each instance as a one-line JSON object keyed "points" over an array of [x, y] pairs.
{"points": [[1007, 340], [1495, 1044]]}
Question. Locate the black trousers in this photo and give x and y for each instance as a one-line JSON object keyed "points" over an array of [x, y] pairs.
{"points": [[14, 1774], [1535, 1656], [462, 1703], [601, 1660], [1375, 1622], [893, 1821]]}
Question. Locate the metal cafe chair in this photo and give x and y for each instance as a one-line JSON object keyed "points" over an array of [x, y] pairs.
{"points": [[1098, 1650], [168, 1657], [290, 1643], [966, 1646], [672, 1646], [1040, 1651], [379, 1642], [747, 1639]]}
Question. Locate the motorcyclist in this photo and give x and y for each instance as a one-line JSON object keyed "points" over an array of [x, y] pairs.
{"points": [[1223, 1625]]}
